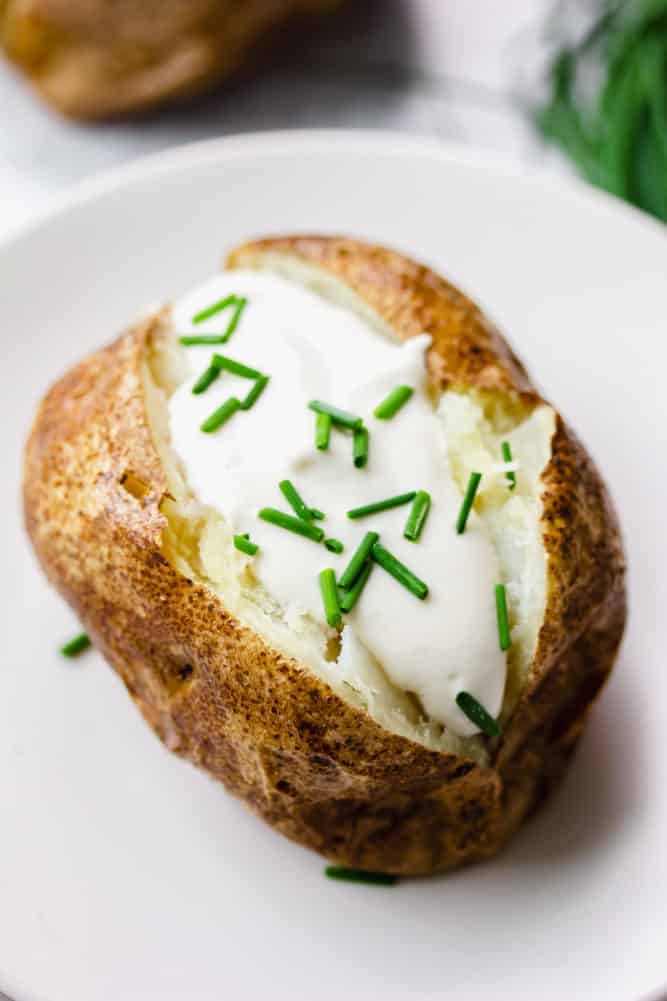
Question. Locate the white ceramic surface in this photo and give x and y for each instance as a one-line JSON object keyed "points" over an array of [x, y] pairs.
{"points": [[124, 872]]}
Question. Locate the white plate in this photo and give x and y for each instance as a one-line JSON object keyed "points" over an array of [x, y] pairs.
{"points": [[124, 872]]}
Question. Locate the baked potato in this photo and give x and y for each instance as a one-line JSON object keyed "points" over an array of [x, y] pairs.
{"points": [[348, 761], [95, 59]]}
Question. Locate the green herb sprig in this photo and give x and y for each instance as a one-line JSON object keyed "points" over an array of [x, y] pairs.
{"points": [[348, 599], [421, 506], [382, 505], [399, 571], [297, 503], [76, 645], [360, 876], [468, 499], [329, 591], [291, 524], [393, 403], [503, 621], [607, 104], [359, 558], [341, 418], [510, 475], [477, 714], [244, 545]]}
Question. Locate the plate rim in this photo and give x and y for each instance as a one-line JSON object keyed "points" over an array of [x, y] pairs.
{"points": [[325, 140]]}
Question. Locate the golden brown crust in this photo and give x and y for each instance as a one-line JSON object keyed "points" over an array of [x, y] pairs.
{"points": [[467, 349], [95, 59], [319, 770]]}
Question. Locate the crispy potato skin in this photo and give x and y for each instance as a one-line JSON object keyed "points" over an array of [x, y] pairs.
{"points": [[96, 59], [315, 768]]}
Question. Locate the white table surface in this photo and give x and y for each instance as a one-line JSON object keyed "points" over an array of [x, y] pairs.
{"points": [[435, 67]]}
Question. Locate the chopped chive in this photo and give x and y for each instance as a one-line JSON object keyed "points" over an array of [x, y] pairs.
{"points": [[477, 714], [393, 402], [360, 876], [342, 418], [238, 301], [207, 377], [348, 599], [383, 505], [334, 545], [255, 392], [76, 645], [360, 447], [296, 501], [468, 499], [503, 624], [236, 367], [216, 307], [236, 316], [399, 571], [282, 520], [510, 475], [417, 517], [329, 593], [356, 564], [316, 514], [322, 431], [243, 543], [221, 415], [188, 340]]}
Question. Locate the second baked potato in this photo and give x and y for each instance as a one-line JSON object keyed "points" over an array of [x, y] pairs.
{"points": [[97, 59]]}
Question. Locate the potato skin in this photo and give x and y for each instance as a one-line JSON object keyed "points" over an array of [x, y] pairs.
{"points": [[97, 59], [317, 769]]}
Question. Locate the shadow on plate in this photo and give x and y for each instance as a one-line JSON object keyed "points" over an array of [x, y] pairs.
{"points": [[599, 796], [323, 74], [601, 792]]}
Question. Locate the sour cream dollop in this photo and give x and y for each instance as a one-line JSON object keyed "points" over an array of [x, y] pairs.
{"points": [[314, 349]]}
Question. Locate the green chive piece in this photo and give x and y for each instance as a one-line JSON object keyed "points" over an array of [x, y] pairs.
{"points": [[477, 714], [417, 517], [399, 571], [322, 431], [244, 545], [356, 564], [360, 876], [342, 418], [255, 392], [239, 302], [360, 447], [236, 316], [503, 624], [216, 307], [221, 415], [76, 645], [329, 593], [236, 367], [468, 499], [207, 377], [296, 501], [191, 339], [316, 514], [348, 599], [334, 545], [510, 476], [383, 505], [282, 520], [393, 402]]}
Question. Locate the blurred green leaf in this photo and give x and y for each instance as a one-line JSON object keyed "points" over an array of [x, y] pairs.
{"points": [[616, 132]]}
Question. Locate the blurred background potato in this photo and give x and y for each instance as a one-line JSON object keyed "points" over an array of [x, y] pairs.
{"points": [[101, 58]]}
